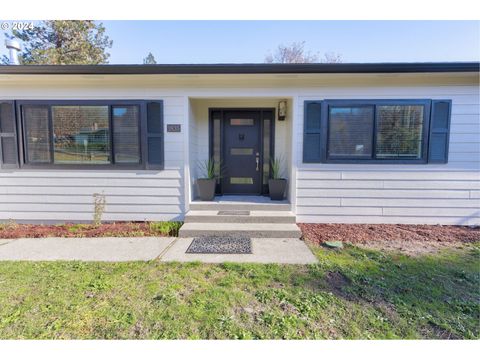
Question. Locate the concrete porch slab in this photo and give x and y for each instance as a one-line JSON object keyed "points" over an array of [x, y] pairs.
{"points": [[235, 199], [85, 249], [241, 202], [265, 251]]}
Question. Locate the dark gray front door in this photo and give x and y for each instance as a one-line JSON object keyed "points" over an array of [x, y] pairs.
{"points": [[241, 153]]}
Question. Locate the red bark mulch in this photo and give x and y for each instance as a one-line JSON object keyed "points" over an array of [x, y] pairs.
{"points": [[362, 233], [120, 229]]}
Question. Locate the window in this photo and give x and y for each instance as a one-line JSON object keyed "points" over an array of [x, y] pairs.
{"points": [[399, 131], [37, 134], [367, 131], [241, 122], [241, 151], [241, 180], [267, 130], [126, 134], [91, 134], [350, 132], [81, 135]]}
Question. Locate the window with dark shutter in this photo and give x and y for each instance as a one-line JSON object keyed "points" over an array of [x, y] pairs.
{"points": [[126, 134], [88, 134], [155, 153], [8, 141], [439, 131], [312, 131], [367, 131]]}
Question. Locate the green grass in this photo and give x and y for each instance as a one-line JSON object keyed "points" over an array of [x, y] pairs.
{"points": [[352, 293], [169, 228]]}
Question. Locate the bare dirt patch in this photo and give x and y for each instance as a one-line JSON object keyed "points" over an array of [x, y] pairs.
{"points": [[337, 282], [409, 239]]}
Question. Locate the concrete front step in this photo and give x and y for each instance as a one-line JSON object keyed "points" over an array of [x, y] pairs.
{"points": [[218, 206], [254, 230], [212, 216]]}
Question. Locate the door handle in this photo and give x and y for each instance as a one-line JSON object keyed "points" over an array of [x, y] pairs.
{"points": [[257, 160]]}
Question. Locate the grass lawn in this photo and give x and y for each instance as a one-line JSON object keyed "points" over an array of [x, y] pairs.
{"points": [[354, 293]]}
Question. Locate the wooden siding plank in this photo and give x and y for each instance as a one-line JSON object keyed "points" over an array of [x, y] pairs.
{"points": [[104, 182], [426, 184], [88, 208], [414, 203], [312, 201], [339, 184], [76, 190], [339, 210], [475, 195], [373, 193], [410, 175], [305, 174], [111, 174], [460, 212], [88, 199]]}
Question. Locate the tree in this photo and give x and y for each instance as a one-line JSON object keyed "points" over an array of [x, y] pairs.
{"points": [[295, 53], [331, 58], [62, 42], [150, 59]]}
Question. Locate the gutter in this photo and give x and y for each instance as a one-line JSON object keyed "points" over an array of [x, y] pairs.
{"points": [[343, 68]]}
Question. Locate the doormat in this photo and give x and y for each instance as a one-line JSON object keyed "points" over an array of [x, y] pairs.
{"points": [[220, 245], [233, 212]]}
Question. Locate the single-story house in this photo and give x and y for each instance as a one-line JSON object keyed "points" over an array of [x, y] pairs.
{"points": [[358, 143]]}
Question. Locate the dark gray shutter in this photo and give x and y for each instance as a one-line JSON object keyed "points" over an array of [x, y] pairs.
{"points": [[439, 131], [8, 139], [312, 131], [155, 151]]}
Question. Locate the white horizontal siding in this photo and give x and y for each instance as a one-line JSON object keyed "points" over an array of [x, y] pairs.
{"points": [[63, 195], [90, 190], [411, 194], [355, 193]]}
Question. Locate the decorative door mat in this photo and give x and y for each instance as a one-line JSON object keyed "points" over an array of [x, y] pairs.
{"points": [[220, 245], [233, 212]]}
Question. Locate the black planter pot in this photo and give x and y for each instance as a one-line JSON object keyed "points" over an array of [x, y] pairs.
{"points": [[276, 188], [206, 189]]}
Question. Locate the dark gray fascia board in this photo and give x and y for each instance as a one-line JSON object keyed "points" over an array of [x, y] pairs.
{"points": [[431, 67]]}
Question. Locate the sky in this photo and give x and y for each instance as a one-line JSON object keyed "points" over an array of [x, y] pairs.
{"points": [[250, 41]]}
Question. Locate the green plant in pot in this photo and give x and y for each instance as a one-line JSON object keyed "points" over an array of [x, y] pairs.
{"points": [[206, 185], [277, 185]]}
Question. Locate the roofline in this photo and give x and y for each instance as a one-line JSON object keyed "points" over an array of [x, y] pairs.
{"points": [[347, 68]]}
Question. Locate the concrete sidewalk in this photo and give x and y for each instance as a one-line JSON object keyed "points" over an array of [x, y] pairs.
{"points": [[281, 251]]}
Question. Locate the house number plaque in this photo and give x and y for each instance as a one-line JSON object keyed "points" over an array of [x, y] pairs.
{"points": [[174, 128]]}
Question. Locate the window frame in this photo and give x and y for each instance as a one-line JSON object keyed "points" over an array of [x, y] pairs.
{"points": [[325, 122], [142, 134]]}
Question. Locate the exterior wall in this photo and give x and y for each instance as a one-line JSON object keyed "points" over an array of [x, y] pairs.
{"points": [[67, 195], [446, 194], [419, 194]]}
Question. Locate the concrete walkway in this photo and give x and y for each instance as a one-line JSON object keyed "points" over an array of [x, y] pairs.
{"points": [[281, 251]]}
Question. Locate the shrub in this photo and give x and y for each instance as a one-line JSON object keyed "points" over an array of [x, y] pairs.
{"points": [[169, 228], [99, 202]]}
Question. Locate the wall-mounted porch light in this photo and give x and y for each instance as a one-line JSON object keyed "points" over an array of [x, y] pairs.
{"points": [[282, 110]]}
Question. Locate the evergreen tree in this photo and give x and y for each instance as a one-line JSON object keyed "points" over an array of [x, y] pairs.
{"points": [[62, 42], [150, 59]]}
